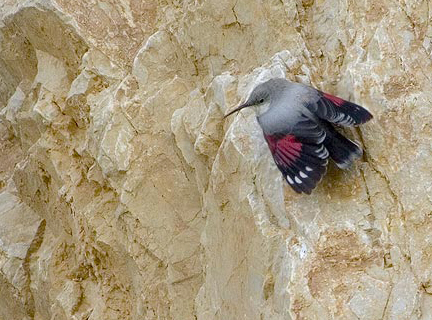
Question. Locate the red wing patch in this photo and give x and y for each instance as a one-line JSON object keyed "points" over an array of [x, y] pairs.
{"points": [[287, 146], [301, 164], [336, 100]]}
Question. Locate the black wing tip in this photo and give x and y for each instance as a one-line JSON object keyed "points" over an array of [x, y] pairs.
{"points": [[343, 151], [360, 114], [346, 161], [306, 182], [301, 188], [369, 115]]}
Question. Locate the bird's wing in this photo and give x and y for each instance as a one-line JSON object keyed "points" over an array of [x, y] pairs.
{"points": [[300, 154], [339, 111]]}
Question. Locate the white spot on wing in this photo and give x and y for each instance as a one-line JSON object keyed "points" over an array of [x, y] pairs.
{"points": [[324, 154], [309, 169], [320, 149], [345, 120], [296, 179], [323, 135], [303, 175], [290, 181]]}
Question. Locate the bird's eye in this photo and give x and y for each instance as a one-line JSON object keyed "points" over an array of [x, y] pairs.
{"points": [[261, 101]]}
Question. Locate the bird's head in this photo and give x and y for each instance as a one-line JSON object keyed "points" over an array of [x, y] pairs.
{"points": [[259, 99]]}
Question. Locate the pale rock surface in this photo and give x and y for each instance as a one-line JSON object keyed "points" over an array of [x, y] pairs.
{"points": [[124, 194]]}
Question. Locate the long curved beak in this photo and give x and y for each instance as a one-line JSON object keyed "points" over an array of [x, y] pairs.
{"points": [[244, 105]]}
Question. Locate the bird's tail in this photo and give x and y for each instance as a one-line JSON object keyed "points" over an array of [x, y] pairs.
{"points": [[342, 150]]}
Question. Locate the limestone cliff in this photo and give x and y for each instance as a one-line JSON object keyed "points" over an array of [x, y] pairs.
{"points": [[124, 194]]}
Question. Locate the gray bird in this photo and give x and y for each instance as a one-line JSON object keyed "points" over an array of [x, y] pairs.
{"points": [[297, 122]]}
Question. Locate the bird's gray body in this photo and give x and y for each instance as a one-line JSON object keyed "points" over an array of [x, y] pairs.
{"points": [[287, 106]]}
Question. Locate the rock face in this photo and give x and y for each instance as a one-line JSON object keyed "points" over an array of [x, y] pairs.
{"points": [[124, 194]]}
